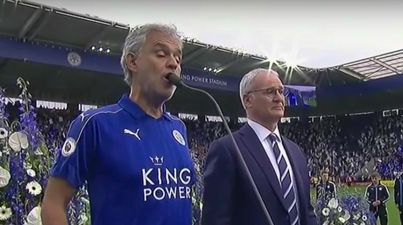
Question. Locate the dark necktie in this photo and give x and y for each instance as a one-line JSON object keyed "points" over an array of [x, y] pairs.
{"points": [[285, 181]]}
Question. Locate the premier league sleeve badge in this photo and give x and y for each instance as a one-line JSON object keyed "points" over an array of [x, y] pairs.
{"points": [[69, 147]]}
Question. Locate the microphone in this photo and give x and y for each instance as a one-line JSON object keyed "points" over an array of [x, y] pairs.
{"points": [[176, 80]]}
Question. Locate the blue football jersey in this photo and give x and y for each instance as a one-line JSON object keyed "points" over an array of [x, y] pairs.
{"points": [[138, 169]]}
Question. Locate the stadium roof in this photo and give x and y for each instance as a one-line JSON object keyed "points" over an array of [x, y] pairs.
{"points": [[29, 21], [376, 67], [33, 22]]}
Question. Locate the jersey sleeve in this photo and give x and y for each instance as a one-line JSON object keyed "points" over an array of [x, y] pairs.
{"points": [[74, 160]]}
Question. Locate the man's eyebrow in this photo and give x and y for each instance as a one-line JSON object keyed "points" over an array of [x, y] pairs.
{"points": [[165, 47]]}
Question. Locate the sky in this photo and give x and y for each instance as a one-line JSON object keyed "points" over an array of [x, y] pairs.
{"points": [[316, 34]]}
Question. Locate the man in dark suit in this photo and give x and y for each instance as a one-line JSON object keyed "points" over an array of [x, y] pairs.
{"points": [[278, 166]]}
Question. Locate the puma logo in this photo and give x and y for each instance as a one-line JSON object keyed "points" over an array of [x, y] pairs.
{"points": [[136, 134]]}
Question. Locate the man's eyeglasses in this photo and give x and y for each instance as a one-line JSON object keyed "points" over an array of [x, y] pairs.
{"points": [[270, 91]]}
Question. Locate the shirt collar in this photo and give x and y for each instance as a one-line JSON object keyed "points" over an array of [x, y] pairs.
{"points": [[261, 131], [134, 109]]}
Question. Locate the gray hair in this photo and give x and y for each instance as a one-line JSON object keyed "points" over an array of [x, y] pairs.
{"points": [[135, 41], [247, 80]]}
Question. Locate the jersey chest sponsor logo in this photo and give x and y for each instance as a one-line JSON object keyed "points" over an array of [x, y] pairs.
{"points": [[161, 183]]}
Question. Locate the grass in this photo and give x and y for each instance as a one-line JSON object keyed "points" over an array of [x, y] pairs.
{"points": [[393, 213]]}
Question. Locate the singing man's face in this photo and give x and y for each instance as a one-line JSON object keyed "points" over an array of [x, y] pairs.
{"points": [[160, 55]]}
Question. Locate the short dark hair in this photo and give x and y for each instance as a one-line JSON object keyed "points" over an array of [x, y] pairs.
{"points": [[375, 175]]}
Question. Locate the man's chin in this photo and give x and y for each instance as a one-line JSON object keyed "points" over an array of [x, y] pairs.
{"points": [[278, 113], [275, 116], [168, 94]]}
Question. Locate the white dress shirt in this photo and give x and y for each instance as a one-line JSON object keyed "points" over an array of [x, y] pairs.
{"points": [[263, 135]]}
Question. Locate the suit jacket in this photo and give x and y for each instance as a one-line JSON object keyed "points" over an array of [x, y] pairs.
{"points": [[228, 196]]}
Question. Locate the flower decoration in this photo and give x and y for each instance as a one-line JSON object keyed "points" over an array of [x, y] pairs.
{"points": [[31, 172], [364, 218], [343, 210], [325, 211], [3, 133], [18, 141], [34, 217], [333, 203], [24, 156], [5, 213], [4, 177], [34, 188]]}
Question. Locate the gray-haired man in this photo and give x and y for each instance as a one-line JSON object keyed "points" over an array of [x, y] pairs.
{"points": [[133, 155]]}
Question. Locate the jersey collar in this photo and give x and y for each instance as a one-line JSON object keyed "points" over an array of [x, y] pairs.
{"points": [[134, 110]]}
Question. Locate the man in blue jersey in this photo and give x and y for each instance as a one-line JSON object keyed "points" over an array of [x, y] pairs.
{"points": [[132, 155]]}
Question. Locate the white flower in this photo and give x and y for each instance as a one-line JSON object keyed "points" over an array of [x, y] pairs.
{"points": [[31, 172], [18, 141], [333, 203], [83, 219], [6, 150], [3, 133], [38, 152], [34, 188], [356, 216], [346, 215], [342, 220], [85, 201], [27, 165], [364, 218], [4, 177], [325, 211], [5, 213], [34, 217], [339, 209]]}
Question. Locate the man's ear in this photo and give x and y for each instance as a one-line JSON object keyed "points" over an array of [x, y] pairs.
{"points": [[131, 62], [247, 101]]}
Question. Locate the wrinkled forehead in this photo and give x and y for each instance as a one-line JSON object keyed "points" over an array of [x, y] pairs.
{"points": [[158, 38], [267, 80]]}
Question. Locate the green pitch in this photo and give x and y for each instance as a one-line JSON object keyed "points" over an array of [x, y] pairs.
{"points": [[393, 213]]}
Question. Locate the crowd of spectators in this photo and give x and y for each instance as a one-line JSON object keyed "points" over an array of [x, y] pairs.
{"points": [[342, 144]]}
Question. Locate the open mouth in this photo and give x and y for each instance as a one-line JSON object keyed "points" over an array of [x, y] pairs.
{"points": [[165, 77], [170, 77]]}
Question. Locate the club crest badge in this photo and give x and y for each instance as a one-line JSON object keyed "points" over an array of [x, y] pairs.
{"points": [[69, 147], [74, 59], [178, 137]]}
